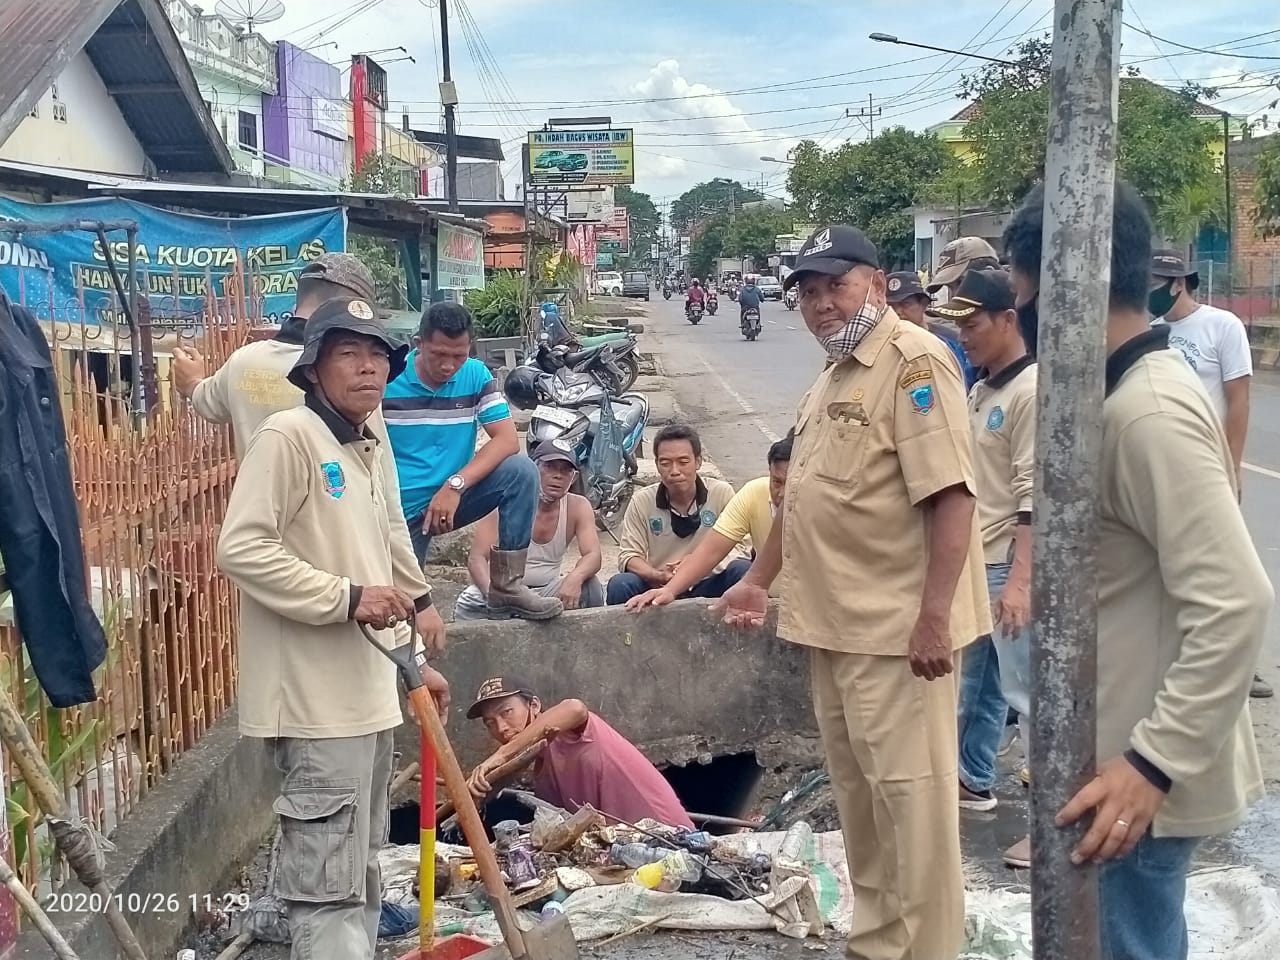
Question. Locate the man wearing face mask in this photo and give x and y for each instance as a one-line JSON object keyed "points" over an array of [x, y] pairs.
{"points": [[881, 575]]}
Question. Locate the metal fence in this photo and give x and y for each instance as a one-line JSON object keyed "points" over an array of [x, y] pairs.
{"points": [[152, 491], [1249, 287]]}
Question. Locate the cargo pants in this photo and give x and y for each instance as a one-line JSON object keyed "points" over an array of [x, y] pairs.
{"points": [[334, 817]]}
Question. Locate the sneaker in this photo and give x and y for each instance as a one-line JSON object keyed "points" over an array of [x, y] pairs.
{"points": [[1019, 855], [979, 800], [1025, 776], [1260, 689], [1006, 740]]}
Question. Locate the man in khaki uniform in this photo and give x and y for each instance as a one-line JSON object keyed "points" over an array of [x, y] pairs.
{"points": [[308, 540], [1182, 606], [881, 569]]}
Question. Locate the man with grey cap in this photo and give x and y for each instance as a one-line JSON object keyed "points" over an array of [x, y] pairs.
{"points": [[959, 256], [880, 574], [307, 540], [562, 518], [252, 384], [910, 302]]}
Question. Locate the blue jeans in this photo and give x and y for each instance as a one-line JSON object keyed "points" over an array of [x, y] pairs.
{"points": [[1141, 901], [983, 709], [511, 489], [623, 586]]}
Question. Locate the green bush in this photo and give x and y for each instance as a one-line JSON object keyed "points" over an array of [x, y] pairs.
{"points": [[499, 307]]}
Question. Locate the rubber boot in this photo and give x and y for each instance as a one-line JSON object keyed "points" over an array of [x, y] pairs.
{"points": [[509, 597]]}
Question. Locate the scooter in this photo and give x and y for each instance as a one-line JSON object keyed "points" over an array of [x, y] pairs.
{"points": [[791, 298], [751, 323], [606, 432], [693, 312], [713, 304], [612, 363], [666, 291]]}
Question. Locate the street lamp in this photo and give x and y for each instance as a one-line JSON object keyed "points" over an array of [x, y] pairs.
{"points": [[790, 163], [890, 38]]}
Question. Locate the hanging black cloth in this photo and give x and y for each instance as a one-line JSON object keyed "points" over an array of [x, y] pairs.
{"points": [[39, 520]]}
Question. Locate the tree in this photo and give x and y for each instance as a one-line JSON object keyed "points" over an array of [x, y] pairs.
{"points": [[873, 184], [753, 233], [708, 245], [1267, 192], [644, 222], [1163, 147], [705, 199], [380, 173]]}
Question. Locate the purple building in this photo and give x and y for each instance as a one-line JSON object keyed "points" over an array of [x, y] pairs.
{"points": [[306, 125]]}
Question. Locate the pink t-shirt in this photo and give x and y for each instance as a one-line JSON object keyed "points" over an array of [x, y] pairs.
{"points": [[601, 767]]}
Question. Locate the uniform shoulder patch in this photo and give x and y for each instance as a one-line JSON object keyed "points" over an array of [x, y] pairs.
{"points": [[708, 518], [914, 377], [922, 398]]}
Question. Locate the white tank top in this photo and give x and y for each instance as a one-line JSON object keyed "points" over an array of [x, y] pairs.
{"points": [[543, 565]]}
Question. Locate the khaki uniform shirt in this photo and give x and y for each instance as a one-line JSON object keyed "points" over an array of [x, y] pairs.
{"points": [[1183, 599], [309, 518], [248, 388], [1002, 418], [646, 527], [877, 435]]}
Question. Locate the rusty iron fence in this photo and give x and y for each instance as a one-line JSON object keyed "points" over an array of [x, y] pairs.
{"points": [[152, 490], [1249, 287]]}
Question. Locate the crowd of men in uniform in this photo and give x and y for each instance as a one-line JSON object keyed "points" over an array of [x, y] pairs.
{"points": [[893, 528]]}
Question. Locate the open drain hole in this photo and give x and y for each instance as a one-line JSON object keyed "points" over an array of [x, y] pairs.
{"points": [[725, 787]]}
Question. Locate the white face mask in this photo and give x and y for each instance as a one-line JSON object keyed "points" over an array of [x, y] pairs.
{"points": [[841, 344]]}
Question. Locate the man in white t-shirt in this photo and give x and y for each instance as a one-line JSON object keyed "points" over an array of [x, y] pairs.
{"points": [[1216, 345]]}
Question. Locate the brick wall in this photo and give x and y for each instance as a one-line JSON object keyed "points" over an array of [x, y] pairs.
{"points": [[1248, 244]]}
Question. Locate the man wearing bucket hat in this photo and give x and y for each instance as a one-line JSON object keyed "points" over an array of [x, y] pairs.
{"points": [[1215, 344], [910, 302], [251, 385], [307, 538], [882, 578]]}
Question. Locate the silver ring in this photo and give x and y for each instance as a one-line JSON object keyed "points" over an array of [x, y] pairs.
{"points": [[392, 621], [1122, 823]]}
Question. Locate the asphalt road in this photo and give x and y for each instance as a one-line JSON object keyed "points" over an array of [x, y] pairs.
{"points": [[742, 395]]}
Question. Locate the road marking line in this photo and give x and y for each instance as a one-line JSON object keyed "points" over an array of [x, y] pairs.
{"points": [[746, 407], [1273, 474]]}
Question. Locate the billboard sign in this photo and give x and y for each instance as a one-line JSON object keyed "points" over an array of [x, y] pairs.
{"points": [[590, 206], [586, 157], [459, 259]]}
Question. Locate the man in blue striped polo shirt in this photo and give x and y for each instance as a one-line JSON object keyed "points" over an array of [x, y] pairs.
{"points": [[432, 411]]}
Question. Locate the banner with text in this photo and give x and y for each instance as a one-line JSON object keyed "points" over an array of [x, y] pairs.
{"points": [[590, 157], [181, 257], [459, 259]]}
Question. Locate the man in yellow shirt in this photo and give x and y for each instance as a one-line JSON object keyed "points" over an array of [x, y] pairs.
{"points": [[749, 516]]}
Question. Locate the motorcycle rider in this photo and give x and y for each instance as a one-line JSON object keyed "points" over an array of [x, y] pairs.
{"points": [[749, 296], [695, 294]]}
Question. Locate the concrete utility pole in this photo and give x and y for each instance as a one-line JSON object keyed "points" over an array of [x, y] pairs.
{"points": [[868, 114], [1074, 281], [449, 100]]}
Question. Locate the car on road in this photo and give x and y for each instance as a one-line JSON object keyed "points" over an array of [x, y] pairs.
{"points": [[609, 284], [635, 283], [770, 288], [548, 159]]}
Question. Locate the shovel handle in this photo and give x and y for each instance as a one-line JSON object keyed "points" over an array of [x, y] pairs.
{"points": [[469, 819]]}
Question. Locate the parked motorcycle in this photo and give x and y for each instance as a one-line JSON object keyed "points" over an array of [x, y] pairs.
{"points": [[611, 362], [605, 432], [713, 304], [693, 312], [791, 298], [750, 323]]}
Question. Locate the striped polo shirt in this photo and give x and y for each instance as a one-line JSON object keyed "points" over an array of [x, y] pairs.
{"points": [[433, 432]]}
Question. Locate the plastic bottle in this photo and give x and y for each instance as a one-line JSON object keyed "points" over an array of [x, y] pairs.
{"points": [[649, 875], [681, 866], [635, 854]]}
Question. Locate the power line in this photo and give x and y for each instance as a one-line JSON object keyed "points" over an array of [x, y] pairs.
{"points": [[1205, 50]]}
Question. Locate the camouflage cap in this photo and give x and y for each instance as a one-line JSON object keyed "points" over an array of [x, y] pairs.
{"points": [[343, 270]]}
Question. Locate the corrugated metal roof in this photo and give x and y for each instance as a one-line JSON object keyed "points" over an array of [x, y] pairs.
{"points": [[136, 53]]}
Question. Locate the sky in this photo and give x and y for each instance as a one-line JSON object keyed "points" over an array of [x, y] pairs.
{"points": [[711, 87]]}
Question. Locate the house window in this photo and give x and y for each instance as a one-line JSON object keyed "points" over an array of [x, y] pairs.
{"points": [[248, 130]]}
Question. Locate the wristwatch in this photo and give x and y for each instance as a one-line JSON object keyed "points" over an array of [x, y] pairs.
{"points": [[456, 483]]}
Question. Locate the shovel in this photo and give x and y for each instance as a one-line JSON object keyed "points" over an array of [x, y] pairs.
{"points": [[550, 940]]}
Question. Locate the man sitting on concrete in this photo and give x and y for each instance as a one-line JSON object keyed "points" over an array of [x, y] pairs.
{"points": [[665, 522], [433, 411], [586, 760], [747, 519], [562, 518]]}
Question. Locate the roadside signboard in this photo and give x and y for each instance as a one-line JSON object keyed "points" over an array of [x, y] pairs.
{"points": [[590, 206], [588, 157], [459, 259]]}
